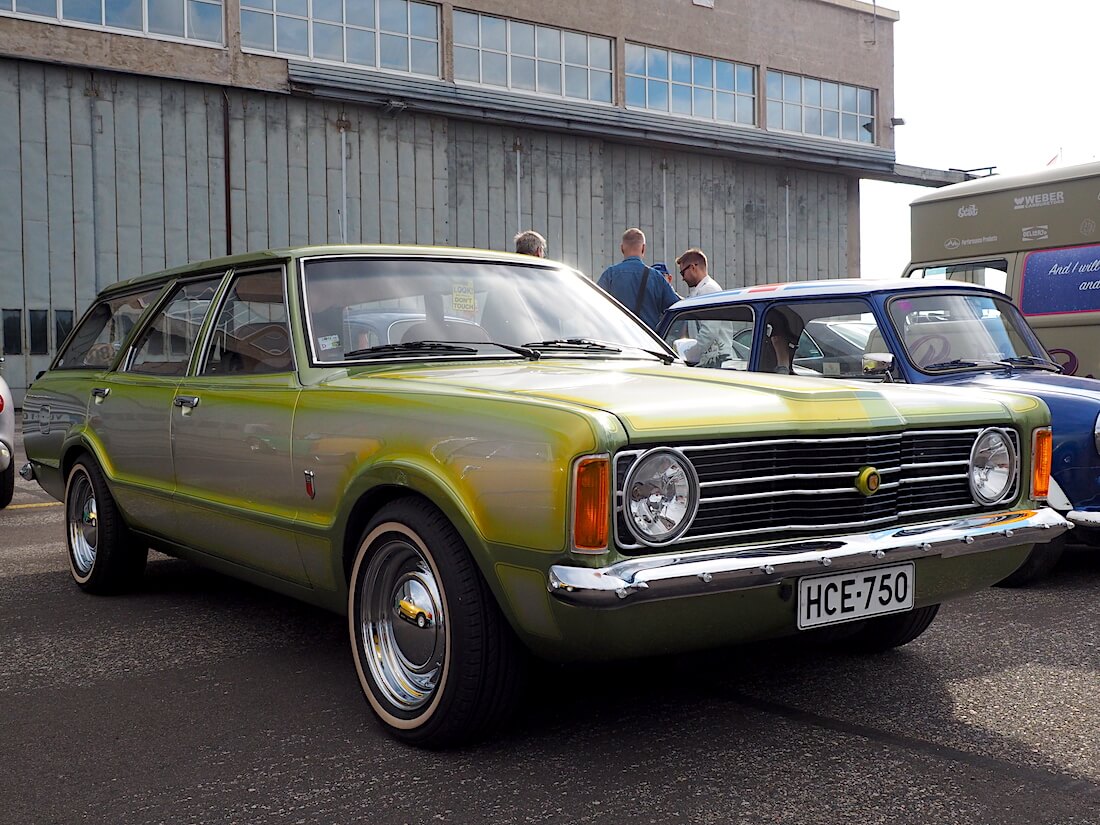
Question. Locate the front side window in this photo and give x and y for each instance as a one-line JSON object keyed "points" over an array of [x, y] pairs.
{"points": [[689, 84], [102, 331], [166, 345], [943, 332], [251, 335], [522, 56], [820, 108], [819, 339], [193, 20], [399, 35], [718, 337]]}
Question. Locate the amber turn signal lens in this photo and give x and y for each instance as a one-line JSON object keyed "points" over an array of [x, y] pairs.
{"points": [[1041, 458], [591, 505]]}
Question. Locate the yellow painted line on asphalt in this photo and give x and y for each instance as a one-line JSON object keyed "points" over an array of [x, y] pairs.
{"points": [[40, 504]]}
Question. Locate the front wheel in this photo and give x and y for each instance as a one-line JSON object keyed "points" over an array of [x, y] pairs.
{"points": [[453, 672], [1039, 562], [886, 632], [104, 557]]}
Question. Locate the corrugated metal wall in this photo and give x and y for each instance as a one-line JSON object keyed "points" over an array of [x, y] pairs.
{"points": [[106, 176]]}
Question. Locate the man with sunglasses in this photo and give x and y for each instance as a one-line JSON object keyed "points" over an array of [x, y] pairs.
{"points": [[693, 269], [714, 339]]}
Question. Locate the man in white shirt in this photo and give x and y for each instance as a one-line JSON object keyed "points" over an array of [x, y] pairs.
{"points": [[693, 269], [714, 338]]}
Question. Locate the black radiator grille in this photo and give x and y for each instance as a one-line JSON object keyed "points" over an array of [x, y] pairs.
{"points": [[803, 487]]}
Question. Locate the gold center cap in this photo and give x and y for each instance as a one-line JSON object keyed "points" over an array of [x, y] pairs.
{"points": [[868, 481]]}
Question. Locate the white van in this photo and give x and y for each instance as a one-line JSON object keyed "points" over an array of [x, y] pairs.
{"points": [[1035, 237]]}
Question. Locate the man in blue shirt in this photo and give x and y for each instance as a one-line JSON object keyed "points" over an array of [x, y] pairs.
{"points": [[636, 286]]}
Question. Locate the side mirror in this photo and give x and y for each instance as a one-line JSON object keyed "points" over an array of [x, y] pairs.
{"points": [[687, 349], [879, 364]]}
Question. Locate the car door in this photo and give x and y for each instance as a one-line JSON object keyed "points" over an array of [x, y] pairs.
{"points": [[57, 405], [132, 408], [231, 440]]}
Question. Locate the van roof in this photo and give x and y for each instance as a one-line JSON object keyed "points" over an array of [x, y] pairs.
{"points": [[1001, 183]]}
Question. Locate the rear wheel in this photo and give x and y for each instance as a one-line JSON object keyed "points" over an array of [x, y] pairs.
{"points": [[447, 670], [886, 632], [1039, 562], [7, 485], [104, 557]]}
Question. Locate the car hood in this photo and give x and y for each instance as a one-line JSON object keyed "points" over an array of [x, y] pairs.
{"points": [[661, 400], [1035, 382]]}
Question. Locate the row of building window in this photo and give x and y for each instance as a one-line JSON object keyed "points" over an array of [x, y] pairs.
{"points": [[403, 36], [38, 321]]}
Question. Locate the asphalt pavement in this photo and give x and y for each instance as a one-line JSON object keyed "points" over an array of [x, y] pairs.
{"points": [[200, 699]]}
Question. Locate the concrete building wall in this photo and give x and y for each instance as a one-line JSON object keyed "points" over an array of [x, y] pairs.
{"points": [[107, 176]]}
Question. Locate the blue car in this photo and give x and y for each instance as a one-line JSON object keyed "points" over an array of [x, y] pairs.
{"points": [[917, 332]]}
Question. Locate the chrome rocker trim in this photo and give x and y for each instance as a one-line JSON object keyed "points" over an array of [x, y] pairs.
{"points": [[717, 571]]}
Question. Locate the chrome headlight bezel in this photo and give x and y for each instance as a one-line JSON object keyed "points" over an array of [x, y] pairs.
{"points": [[690, 505], [1013, 464]]}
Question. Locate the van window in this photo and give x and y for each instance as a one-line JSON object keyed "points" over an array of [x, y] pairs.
{"points": [[990, 274], [1061, 280]]}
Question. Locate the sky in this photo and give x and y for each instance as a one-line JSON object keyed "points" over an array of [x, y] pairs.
{"points": [[983, 83]]}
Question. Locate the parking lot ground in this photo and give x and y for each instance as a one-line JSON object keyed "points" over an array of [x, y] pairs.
{"points": [[200, 699]]}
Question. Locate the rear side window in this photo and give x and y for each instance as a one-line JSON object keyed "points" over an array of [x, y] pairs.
{"points": [[102, 331], [167, 342]]}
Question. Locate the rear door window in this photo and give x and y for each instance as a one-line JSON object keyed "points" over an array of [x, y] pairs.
{"points": [[103, 330]]}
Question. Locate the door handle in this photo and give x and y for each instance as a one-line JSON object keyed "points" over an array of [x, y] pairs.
{"points": [[188, 401], [99, 393]]}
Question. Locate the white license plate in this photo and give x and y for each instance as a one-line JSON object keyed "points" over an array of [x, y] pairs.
{"points": [[848, 597]]}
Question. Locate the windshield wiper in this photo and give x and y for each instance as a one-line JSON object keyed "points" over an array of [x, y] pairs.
{"points": [[1034, 361], [588, 345], [441, 346], [958, 362], [409, 346], [581, 344]]}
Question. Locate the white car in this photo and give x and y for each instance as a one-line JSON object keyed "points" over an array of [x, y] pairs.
{"points": [[7, 443]]}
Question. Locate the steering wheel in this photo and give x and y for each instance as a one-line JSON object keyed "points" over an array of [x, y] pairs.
{"points": [[929, 349]]}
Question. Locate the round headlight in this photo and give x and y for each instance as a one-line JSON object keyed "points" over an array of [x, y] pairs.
{"points": [[992, 466], [660, 496]]}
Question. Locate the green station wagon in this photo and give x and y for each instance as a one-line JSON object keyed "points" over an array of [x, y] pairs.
{"points": [[478, 456]]}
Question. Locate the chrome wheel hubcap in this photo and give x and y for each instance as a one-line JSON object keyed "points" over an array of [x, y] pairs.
{"points": [[402, 624], [83, 523]]}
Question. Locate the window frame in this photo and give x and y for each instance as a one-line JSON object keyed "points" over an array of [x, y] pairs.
{"points": [[562, 61], [58, 20], [806, 82], [206, 343], [376, 31], [714, 91]]}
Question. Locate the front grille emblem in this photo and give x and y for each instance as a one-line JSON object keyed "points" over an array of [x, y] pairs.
{"points": [[868, 481]]}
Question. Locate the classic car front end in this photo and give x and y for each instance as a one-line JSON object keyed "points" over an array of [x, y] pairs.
{"points": [[938, 333], [525, 468]]}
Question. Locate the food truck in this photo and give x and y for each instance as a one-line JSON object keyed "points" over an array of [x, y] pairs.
{"points": [[1035, 237]]}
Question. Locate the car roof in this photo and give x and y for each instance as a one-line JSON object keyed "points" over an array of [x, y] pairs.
{"points": [[832, 288], [292, 252]]}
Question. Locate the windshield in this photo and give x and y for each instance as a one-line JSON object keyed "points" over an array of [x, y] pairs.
{"points": [[943, 331], [363, 308]]}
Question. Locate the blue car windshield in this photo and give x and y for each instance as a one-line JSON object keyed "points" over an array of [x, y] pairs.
{"points": [[943, 331], [361, 308]]}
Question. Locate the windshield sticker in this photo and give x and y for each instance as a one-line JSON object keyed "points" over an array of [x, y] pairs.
{"points": [[1061, 281], [327, 342], [462, 297]]}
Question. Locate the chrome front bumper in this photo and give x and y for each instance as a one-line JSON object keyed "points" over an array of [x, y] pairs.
{"points": [[1086, 518], [700, 572], [5, 456]]}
